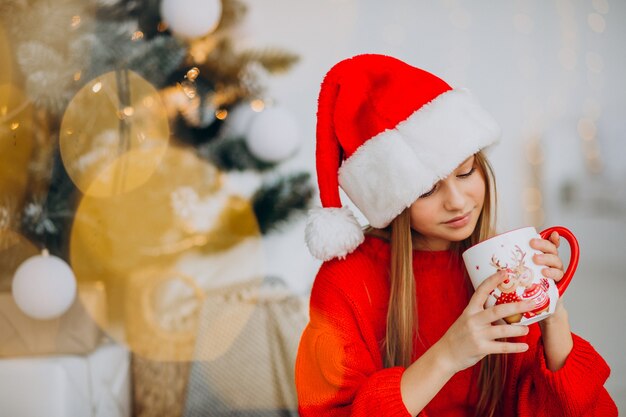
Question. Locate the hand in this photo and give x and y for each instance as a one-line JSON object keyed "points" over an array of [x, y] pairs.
{"points": [[554, 270], [473, 335], [550, 256]]}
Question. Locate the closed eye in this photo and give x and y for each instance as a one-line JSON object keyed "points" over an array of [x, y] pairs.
{"points": [[471, 171], [432, 190]]}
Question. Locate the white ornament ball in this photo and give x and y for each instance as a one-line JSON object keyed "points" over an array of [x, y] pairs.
{"points": [[274, 135], [239, 120], [191, 18], [44, 287]]}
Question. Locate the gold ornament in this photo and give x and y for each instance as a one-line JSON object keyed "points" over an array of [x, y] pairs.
{"points": [[182, 210], [6, 63], [157, 328], [16, 145], [114, 134]]}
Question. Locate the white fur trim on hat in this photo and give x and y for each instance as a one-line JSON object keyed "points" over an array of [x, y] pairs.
{"points": [[332, 232], [390, 171]]}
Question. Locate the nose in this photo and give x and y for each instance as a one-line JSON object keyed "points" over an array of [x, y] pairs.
{"points": [[454, 198]]}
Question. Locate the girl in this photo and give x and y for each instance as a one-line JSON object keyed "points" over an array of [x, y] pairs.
{"points": [[395, 327]]}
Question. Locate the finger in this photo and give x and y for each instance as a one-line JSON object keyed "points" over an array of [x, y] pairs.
{"points": [[555, 274], [555, 239], [495, 313], [507, 347], [478, 300], [543, 245], [548, 259], [501, 331]]}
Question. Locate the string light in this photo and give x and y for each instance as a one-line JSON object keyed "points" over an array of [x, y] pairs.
{"points": [[568, 53], [257, 105], [128, 111], [221, 114], [532, 195], [75, 21], [125, 113], [587, 129], [596, 22], [137, 35], [193, 73], [189, 89], [77, 75], [96, 87], [15, 125], [587, 125], [528, 65], [532, 198]]}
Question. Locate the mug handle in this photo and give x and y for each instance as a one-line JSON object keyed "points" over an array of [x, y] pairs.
{"points": [[574, 254]]}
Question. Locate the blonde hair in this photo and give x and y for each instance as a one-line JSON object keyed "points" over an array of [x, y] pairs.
{"points": [[402, 311]]}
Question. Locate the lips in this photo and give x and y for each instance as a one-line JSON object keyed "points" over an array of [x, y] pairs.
{"points": [[458, 218]]}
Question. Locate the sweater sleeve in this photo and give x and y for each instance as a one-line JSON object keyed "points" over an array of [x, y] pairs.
{"points": [[577, 389], [337, 371]]}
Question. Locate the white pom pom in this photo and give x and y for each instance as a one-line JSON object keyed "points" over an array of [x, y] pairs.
{"points": [[332, 232]]}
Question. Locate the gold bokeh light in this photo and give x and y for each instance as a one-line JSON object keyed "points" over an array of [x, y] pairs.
{"points": [[6, 61], [16, 144], [113, 134], [137, 243]]}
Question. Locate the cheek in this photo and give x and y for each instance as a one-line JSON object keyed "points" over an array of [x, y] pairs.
{"points": [[476, 188], [422, 215]]}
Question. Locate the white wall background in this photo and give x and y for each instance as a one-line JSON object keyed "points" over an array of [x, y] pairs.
{"points": [[539, 67]]}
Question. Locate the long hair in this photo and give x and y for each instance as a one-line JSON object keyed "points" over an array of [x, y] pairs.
{"points": [[402, 311]]}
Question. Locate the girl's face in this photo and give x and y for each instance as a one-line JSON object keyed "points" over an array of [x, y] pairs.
{"points": [[449, 211]]}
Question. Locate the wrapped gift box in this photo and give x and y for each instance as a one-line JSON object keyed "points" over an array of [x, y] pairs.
{"points": [[75, 332], [94, 385]]}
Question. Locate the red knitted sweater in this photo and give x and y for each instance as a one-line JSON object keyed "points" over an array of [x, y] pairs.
{"points": [[339, 368]]}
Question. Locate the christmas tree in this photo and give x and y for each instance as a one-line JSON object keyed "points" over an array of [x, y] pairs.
{"points": [[138, 144], [60, 47]]}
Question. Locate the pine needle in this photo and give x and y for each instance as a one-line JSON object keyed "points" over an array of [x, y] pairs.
{"points": [[274, 61], [277, 202], [232, 13]]}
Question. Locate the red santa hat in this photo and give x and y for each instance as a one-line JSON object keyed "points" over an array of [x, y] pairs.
{"points": [[386, 133]]}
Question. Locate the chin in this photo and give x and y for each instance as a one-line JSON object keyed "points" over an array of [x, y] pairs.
{"points": [[462, 233]]}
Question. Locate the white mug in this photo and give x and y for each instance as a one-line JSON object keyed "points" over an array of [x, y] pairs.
{"points": [[511, 252]]}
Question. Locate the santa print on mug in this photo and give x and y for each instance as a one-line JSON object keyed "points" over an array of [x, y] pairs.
{"points": [[511, 254]]}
